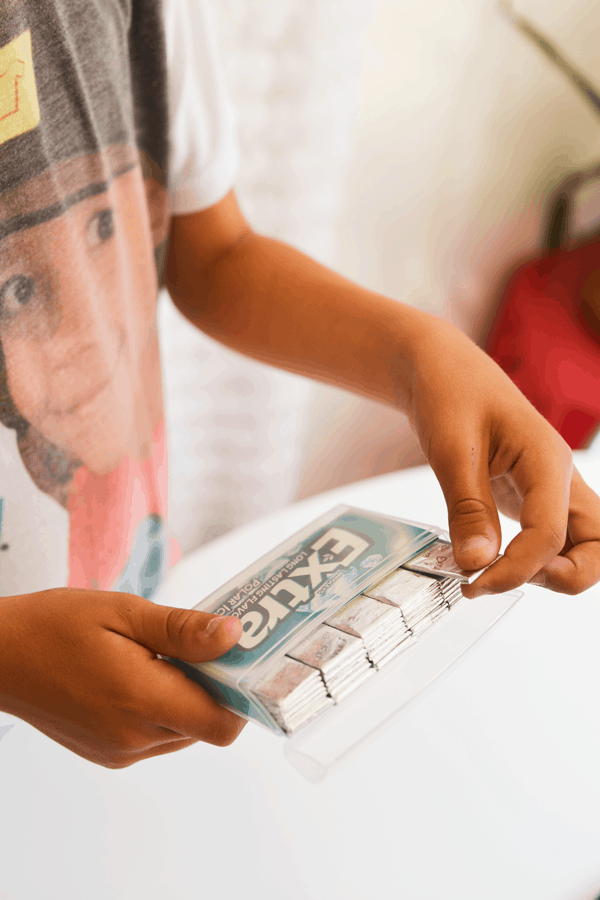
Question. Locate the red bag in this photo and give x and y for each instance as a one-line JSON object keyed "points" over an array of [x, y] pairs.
{"points": [[544, 336], [546, 333]]}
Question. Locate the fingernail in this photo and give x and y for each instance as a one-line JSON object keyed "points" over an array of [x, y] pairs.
{"points": [[213, 625], [234, 627], [475, 543], [539, 579]]}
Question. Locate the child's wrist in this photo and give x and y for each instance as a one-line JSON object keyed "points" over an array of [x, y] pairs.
{"points": [[421, 336]]}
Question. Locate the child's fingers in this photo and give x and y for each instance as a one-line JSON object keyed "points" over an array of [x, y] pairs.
{"points": [[573, 573], [159, 705], [171, 700], [578, 566], [543, 480], [159, 749], [165, 748]]}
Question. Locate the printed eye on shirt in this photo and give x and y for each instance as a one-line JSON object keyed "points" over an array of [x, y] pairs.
{"points": [[19, 108]]}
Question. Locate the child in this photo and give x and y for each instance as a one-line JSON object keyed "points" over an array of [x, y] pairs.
{"points": [[97, 147]]}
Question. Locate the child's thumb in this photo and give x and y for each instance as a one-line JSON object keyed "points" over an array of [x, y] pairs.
{"points": [[474, 525], [182, 633]]}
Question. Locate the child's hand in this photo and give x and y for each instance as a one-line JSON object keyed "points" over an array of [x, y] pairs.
{"points": [[491, 449], [81, 666], [481, 436]]}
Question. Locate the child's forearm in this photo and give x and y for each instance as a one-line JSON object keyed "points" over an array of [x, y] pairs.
{"points": [[270, 301]]}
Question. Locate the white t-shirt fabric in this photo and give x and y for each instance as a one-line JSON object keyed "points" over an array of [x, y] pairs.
{"points": [[204, 156], [72, 511]]}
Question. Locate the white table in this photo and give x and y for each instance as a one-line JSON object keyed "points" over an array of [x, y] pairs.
{"points": [[489, 787]]}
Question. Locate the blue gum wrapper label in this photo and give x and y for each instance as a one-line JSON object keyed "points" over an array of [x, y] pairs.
{"points": [[294, 589]]}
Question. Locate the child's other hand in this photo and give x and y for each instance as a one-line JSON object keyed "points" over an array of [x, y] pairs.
{"points": [[490, 449], [81, 666]]}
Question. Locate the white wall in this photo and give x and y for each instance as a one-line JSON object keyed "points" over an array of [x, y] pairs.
{"points": [[463, 127]]}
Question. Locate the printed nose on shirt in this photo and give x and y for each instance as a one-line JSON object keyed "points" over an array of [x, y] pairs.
{"points": [[19, 109]]}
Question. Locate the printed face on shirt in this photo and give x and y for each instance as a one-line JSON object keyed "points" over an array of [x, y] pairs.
{"points": [[77, 315]]}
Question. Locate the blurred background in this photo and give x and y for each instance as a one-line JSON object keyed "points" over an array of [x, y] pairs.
{"points": [[416, 148]]}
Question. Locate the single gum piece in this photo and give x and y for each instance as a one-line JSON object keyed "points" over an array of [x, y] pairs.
{"points": [[402, 587], [438, 559]]}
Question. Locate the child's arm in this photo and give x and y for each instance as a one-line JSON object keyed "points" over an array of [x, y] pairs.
{"points": [[484, 440]]}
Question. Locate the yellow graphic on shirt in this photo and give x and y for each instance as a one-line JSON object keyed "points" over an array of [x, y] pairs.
{"points": [[19, 108]]}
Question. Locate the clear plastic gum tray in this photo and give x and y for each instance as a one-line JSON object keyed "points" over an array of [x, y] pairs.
{"points": [[345, 623]]}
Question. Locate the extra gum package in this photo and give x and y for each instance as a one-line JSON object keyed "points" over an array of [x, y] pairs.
{"points": [[344, 623]]}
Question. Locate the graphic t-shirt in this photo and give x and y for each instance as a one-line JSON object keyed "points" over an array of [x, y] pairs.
{"points": [[99, 144]]}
